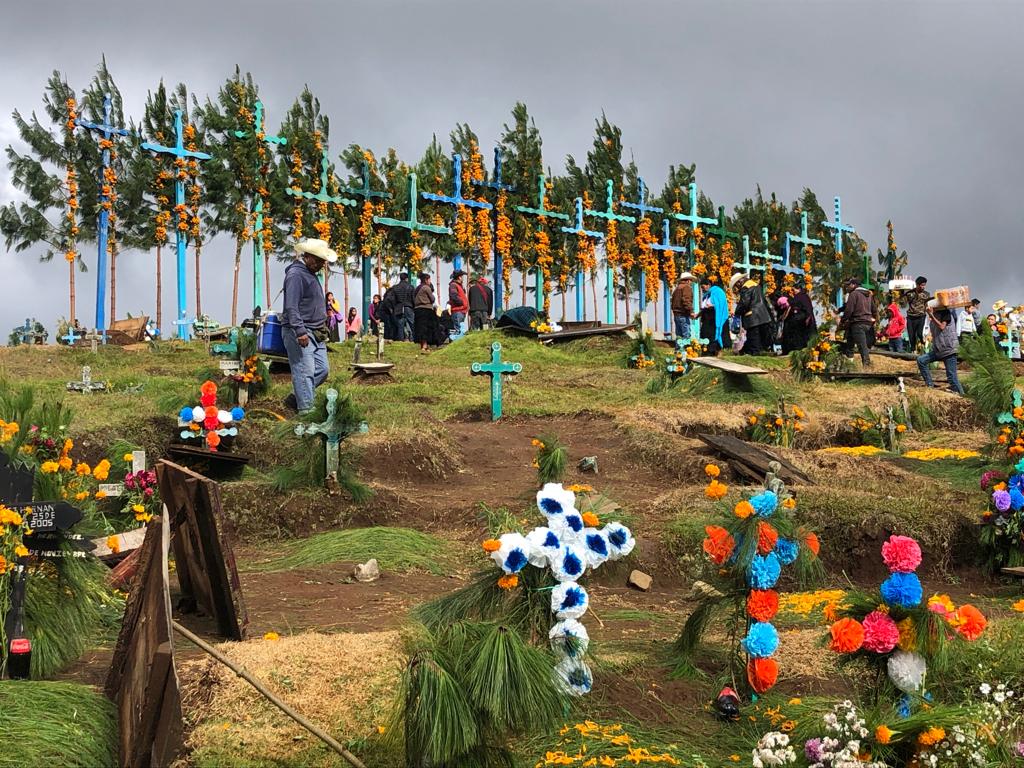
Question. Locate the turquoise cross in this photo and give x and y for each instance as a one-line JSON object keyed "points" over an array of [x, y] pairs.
{"points": [[412, 223], [495, 369], [640, 206], [498, 186], [609, 211], [692, 218], [70, 336], [456, 197], [541, 210], [258, 281], [837, 226], [719, 230], [364, 191], [322, 196], [578, 228], [802, 239], [331, 429], [747, 265]]}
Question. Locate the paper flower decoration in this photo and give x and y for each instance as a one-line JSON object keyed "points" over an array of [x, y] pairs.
{"points": [[762, 604], [764, 571], [206, 421], [847, 636], [620, 540], [1016, 499], [513, 553], [813, 544], [185, 414], [569, 564], [554, 500], [1001, 500], [907, 670], [198, 414], [902, 589], [237, 414], [787, 551], [901, 554], [764, 503], [718, 544], [767, 538], [881, 634], [969, 622], [762, 674], [544, 545], [569, 600], [575, 676], [596, 546], [570, 638], [762, 640], [569, 525]]}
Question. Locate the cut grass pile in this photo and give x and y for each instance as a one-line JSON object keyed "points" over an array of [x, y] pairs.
{"points": [[56, 724], [396, 549]]}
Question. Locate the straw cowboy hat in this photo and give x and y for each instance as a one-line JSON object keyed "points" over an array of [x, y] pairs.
{"points": [[999, 306], [686, 276], [735, 279], [318, 248]]}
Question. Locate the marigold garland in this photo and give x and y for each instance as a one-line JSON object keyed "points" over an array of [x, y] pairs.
{"points": [[71, 181], [542, 249], [297, 188], [611, 242], [643, 239]]}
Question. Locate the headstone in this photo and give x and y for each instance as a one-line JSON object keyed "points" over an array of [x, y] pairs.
{"points": [[495, 369], [86, 385]]}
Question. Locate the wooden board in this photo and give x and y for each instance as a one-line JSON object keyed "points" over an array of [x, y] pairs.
{"points": [[203, 552], [728, 366], [755, 458], [1015, 571], [579, 333], [888, 378], [127, 542], [142, 681], [217, 465]]}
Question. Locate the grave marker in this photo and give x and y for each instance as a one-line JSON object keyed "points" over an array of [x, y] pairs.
{"points": [[498, 186], [694, 220], [665, 246], [70, 336], [642, 209], [542, 212], [495, 369], [609, 214], [86, 385], [838, 229], [803, 239], [579, 229]]}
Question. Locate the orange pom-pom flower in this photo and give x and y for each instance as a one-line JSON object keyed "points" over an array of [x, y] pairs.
{"points": [[847, 636], [767, 538], [718, 544], [762, 604], [762, 674]]}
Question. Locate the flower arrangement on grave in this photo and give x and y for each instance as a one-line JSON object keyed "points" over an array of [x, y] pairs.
{"points": [[141, 497], [550, 459], [1011, 428], [820, 356], [207, 422], [254, 373], [896, 631], [541, 325], [502, 656], [1002, 524], [882, 430], [641, 352], [755, 539], [780, 427]]}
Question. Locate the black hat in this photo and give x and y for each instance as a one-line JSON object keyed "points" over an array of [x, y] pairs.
{"points": [[457, 273]]}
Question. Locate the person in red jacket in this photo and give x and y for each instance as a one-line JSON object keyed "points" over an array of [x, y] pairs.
{"points": [[457, 299], [894, 330]]}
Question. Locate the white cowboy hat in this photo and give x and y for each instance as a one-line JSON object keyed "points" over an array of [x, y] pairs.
{"points": [[686, 276], [1000, 305], [735, 279], [318, 248]]}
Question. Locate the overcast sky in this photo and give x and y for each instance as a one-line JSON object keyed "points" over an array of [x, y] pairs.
{"points": [[908, 110]]}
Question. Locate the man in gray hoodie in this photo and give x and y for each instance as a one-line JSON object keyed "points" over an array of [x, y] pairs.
{"points": [[304, 320]]}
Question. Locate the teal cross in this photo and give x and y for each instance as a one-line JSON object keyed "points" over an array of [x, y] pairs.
{"points": [[456, 197], [719, 230], [258, 299], [578, 228], [412, 223], [609, 211], [747, 265], [498, 186], [837, 226], [364, 191], [541, 211], [495, 369], [802, 239], [322, 196], [692, 218], [331, 429], [70, 336]]}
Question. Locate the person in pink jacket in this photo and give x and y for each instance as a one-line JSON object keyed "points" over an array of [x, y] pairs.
{"points": [[894, 330]]}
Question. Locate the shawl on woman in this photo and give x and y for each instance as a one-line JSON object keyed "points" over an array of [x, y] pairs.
{"points": [[721, 306]]}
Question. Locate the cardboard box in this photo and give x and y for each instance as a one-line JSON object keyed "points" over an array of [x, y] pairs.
{"points": [[953, 298]]}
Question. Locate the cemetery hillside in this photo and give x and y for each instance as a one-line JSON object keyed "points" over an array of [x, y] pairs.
{"points": [[491, 460]]}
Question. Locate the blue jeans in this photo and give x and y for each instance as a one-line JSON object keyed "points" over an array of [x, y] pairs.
{"points": [[457, 318], [682, 326], [309, 367], [896, 345], [949, 362], [406, 319]]}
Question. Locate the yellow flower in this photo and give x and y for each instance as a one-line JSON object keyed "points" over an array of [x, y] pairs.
{"points": [[589, 518], [752, 420], [82, 469], [789, 503], [101, 494], [795, 701], [931, 737], [127, 457], [883, 735], [49, 467], [64, 462], [716, 490], [743, 509], [101, 471], [381, 730], [68, 445], [901, 428], [271, 636], [491, 545], [908, 634], [114, 543], [509, 581], [943, 601], [21, 551], [138, 508], [81, 496]]}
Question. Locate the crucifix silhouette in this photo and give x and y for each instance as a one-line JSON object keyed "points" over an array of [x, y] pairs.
{"points": [[499, 186], [107, 133], [456, 199], [838, 228], [694, 219], [542, 212], [258, 257], [581, 231], [179, 152], [609, 214], [802, 239]]}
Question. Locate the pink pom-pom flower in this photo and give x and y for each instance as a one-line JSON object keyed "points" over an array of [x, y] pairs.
{"points": [[901, 554], [881, 634]]}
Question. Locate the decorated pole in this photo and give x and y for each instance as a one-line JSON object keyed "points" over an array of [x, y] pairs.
{"points": [[107, 133], [838, 228], [694, 220], [258, 252], [666, 247], [368, 195], [807, 242], [584, 236], [498, 214], [642, 209], [179, 153], [609, 215], [542, 212]]}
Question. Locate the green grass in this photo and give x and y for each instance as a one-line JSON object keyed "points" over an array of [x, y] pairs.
{"points": [[962, 474], [396, 549], [57, 724]]}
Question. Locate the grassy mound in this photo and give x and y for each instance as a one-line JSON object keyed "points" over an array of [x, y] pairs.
{"points": [[396, 549]]}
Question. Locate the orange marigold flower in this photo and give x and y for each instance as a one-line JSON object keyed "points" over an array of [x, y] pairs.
{"points": [[712, 470], [743, 509], [716, 490], [719, 544], [491, 545], [589, 518], [509, 581]]}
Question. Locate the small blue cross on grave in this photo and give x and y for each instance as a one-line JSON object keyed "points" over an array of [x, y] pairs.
{"points": [[331, 429], [70, 336], [28, 332], [838, 229], [495, 369]]}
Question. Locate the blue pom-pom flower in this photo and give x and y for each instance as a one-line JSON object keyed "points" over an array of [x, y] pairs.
{"points": [[569, 564], [1016, 499], [553, 500], [544, 545], [764, 571], [569, 638], [620, 540], [185, 414], [513, 553], [237, 413], [569, 526], [569, 600], [762, 640], [765, 503], [787, 551], [574, 677], [902, 589], [595, 544]]}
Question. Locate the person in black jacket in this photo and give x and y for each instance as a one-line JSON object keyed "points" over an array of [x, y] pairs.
{"points": [[481, 304], [386, 314], [755, 315], [403, 313]]}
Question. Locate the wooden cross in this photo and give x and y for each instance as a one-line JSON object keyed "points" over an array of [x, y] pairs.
{"points": [[609, 214], [495, 369], [579, 230], [331, 429], [94, 337], [258, 280], [107, 133], [542, 212], [499, 186], [178, 151]]}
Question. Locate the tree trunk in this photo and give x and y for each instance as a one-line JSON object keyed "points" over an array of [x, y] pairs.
{"points": [[625, 292], [159, 295], [71, 291], [239, 244], [523, 273], [345, 283], [563, 306], [199, 299]]}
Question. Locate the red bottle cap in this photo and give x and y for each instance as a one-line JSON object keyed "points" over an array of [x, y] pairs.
{"points": [[21, 645]]}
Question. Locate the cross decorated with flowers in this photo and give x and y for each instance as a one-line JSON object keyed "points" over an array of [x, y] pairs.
{"points": [[581, 231], [542, 212], [609, 215], [500, 187]]}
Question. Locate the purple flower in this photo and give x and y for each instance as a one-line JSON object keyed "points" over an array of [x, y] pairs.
{"points": [[1002, 500], [1019, 749], [812, 750]]}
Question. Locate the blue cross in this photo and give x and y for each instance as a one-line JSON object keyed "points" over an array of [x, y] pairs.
{"points": [[498, 185], [257, 241], [694, 219], [27, 331], [609, 214], [642, 209], [542, 212], [456, 197], [322, 196], [665, 246], [580, 230], [839, 228], [802, 239], [366, 193], [179, 151], [70, 336], [108, 132]]}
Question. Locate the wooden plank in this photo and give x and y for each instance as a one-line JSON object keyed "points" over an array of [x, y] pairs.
{"points": [[579, 333], [142, 680], [203, 548], [889, 378], [126, 543], [1015, 571], [754, 457], [728, 366]]}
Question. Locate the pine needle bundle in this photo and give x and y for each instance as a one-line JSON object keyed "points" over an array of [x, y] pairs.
{"points": [[550, 460], [396, 549], [991, 383]]}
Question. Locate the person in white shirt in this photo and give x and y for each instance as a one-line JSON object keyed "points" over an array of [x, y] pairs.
{"points": [[969, 319]]}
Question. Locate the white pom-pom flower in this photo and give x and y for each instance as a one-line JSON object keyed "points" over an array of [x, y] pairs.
{"points": [[544, 545], [569, 638], [569, 527], [224, 417], [574, 676], [554, 501], [620, 540], [513, 553], [569, 563], [907, 670], [198, 414], [569, 600], [596, 546]]}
